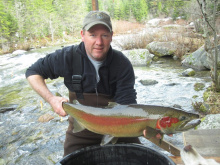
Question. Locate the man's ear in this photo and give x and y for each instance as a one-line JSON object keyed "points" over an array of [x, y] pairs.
{"points": [[112, 35], [82, 35]]}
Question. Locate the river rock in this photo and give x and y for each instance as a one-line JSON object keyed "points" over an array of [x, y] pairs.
{"points": [[189, 72], [148, 82], [139, 57], [18, 52], [6, 108], [199, 60], [45, 118], [162, 48], [199, 86], [159, 21]]}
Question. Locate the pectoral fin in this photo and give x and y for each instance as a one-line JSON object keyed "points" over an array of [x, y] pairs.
{"points": [[77, 127], [151, 132], [107, 139]]}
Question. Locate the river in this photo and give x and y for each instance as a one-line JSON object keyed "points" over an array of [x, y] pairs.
{"points": [[25, 140]]}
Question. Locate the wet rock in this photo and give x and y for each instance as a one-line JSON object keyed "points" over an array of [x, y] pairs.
{"points": [[2, 161], [172, 84], [31, 147], [18, 52], [177, 106], [35, 160], [199, 86], [162, 48], [45, 118], [6, 108], [139, 57], [189, 72], [199, 60], [208, 122], [148, 82]]}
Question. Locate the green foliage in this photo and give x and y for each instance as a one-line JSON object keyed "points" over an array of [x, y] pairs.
{"points": [[88, 5], [36, 19], [8, 24], [125, 9], [171, 8], [140, 10]]}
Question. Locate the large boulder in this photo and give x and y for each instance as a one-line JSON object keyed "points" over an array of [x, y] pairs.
{"points": [[139, 57], [160, 22], [162, 48], [199, 60], [19, 52]]}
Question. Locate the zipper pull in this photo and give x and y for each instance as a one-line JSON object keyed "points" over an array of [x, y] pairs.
{"points": [[96, 91], [97, 96]]}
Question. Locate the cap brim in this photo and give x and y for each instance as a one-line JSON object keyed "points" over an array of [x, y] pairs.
{"points": [[87, 27]]}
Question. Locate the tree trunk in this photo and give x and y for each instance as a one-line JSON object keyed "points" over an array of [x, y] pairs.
{"points": [[95, 5], [209, 26]]}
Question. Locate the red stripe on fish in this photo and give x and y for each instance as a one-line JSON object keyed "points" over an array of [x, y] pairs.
{"points": [[111, 120]]}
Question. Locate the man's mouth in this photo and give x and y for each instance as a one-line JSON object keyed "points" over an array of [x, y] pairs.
{"points": [[99, 49]]}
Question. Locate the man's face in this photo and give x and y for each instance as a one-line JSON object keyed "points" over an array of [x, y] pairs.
{"points": [[97, 41]]}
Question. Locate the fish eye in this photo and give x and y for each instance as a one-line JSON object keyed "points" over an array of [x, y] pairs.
{"points": [[182, 118]]}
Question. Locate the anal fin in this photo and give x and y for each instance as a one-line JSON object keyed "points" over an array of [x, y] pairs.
{"points": [[107, 139]]}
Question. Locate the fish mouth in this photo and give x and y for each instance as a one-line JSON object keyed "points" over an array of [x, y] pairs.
{"points": [[188, 125]]}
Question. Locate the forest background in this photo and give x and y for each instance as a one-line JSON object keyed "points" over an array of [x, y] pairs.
{"points": [[26, 24]]}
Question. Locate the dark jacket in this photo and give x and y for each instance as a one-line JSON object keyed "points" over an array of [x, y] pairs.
{"points": [[116, 74]]}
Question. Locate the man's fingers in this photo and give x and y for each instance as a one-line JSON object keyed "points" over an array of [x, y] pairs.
{"points": [[145, 133], [62, 113], [153, 134]]}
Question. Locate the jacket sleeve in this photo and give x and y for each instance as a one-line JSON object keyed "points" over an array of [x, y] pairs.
{"points": [[125, 92], [53, 65]]}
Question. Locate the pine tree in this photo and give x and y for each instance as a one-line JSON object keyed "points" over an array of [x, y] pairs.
{"points": [[8, 24]]}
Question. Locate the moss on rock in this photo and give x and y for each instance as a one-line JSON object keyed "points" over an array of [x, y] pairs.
{"points": [[199, 86]]}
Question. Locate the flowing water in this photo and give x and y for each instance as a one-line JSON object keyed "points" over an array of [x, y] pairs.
{"points": [[25, 140]]}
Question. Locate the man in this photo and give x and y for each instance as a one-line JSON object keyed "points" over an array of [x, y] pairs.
{"points": [[106, 75]]}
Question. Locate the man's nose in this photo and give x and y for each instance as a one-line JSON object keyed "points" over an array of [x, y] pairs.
{"points": [[99, 40]]}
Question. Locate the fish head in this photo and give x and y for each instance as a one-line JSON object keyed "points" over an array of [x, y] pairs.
{"points": [[177, 121]]}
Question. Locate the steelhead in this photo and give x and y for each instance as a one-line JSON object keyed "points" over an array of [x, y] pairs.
{"points": [[117, 120]]}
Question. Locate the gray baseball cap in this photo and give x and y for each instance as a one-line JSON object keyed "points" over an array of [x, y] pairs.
{"points": [[97, 17]]}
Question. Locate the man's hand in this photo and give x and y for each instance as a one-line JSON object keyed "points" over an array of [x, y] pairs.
{"points": [[56, 104], [157, 135], [153, 133], [37, 82]]}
